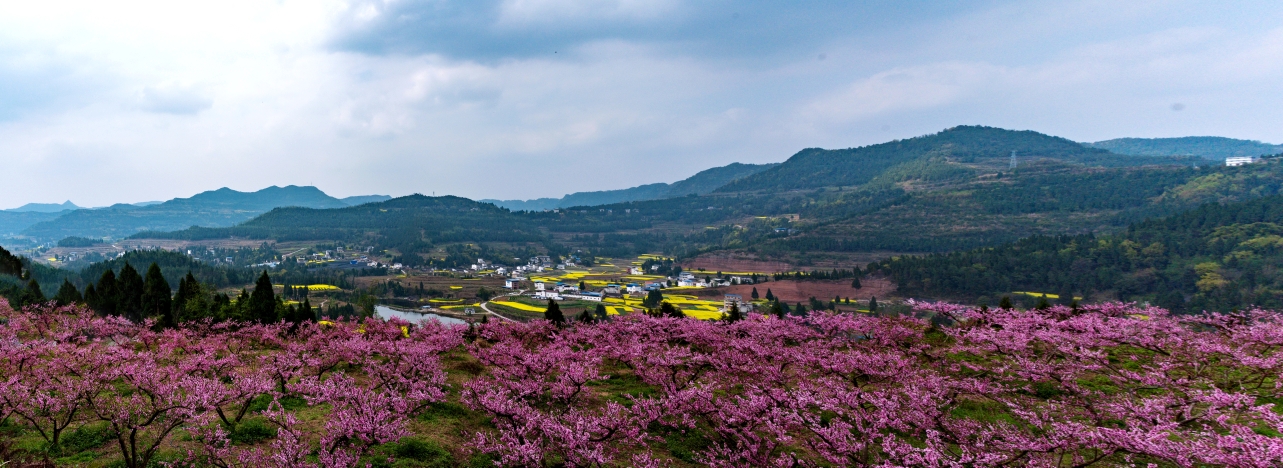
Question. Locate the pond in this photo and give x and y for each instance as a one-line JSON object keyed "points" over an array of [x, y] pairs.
{"points": [[385, 312]]}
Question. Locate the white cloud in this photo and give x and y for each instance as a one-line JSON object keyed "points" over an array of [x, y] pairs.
{"points": [[525, 13], [136, 100]]}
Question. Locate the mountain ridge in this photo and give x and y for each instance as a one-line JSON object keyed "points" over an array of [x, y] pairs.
{"points": [[1207, 147], [702, 182], [213, 208]]}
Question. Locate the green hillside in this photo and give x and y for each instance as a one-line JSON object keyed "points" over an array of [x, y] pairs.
{"points": [[966, 147], [1214, 148], [944, 192], [1216, 257]]}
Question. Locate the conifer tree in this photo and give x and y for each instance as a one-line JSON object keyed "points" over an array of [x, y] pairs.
{"points": [[873, 304], [554, 314], [855, 283], [262, 302], [754, 293], [91, 296], [653, 298], [305, 311], [33, 295], [769, 295], [156, 299], [67, 294], [130, 293], [1005, 303], [777, 309], [600, 312], [10, 264], [667, 309], [107, 294], [733, 314], [586, 317], [1042, 303], [188, 288]]}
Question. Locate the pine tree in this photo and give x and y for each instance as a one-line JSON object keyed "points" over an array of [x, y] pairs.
{"points": [[156, 300], [554, 314], [583, 286], [733, 314], [600, 312], [1042, 303], [769, 295], [754, 293], [653, 298], [855, 283], [130, 293], [107, 294], [305, 312], [33, 295], [262, 302], [586, 317], [91, 296], [777, 309], [67, 294], [188, 288], [669, 310], [1005, 303], [873, 304]]}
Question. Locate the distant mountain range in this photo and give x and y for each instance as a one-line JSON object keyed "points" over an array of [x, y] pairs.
{"points": [[216, 208], [44, 207], [951, 190], [1214, 148], [701, 183]]}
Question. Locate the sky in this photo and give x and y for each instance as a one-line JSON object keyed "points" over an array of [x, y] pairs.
{"points": [[130, 101]]}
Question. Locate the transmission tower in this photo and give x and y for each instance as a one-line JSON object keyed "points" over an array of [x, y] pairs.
{"points": [[1013, 159]]}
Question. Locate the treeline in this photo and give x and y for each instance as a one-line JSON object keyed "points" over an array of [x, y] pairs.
{"points": [[1216, 257], [816, 275]]}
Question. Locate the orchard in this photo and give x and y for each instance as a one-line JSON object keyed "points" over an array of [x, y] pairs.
{"points": [[1102, 385]]}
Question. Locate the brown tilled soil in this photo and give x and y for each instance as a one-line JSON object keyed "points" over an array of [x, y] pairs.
{"points": [[801, 291], [742, 262], [712, 264]]}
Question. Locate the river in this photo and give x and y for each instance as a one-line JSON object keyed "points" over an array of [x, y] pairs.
{"points": [[385, 312]]}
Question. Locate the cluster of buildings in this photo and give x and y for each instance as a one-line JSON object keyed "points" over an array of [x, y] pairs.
{"points": [[1240, 161]]}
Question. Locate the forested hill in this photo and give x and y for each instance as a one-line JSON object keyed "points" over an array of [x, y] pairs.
{"points": [[1214, 148], [412, 223], [1216, 257], [814, 167], [701, 183]]}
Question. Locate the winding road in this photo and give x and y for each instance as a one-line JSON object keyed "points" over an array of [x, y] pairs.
{"points": [[496, 314]]}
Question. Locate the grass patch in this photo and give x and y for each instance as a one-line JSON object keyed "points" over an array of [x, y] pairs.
{"points": [[412, 452], [444, 410], [251, 430], [983, 411]]}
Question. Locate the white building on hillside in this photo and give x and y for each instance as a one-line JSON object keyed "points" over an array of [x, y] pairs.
{"points": [[1239, 161]]}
